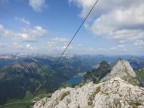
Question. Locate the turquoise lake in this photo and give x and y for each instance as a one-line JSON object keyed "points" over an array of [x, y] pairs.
{"points": [[75, 80]]}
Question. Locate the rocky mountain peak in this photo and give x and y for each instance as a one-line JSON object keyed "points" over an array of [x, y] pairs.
{"points": [[124, 66], [104, 64], [122, 70], [116, 90], [98, 73]]}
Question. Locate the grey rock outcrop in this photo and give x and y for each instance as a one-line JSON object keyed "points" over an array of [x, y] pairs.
{"points": [[124, 71], [116, 90]]}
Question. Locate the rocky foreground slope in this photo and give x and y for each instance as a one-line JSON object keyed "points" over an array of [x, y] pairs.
{"points": [[114, 91]]}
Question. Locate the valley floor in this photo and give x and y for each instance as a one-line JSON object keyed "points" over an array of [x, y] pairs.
{"points": [[17, 104]]}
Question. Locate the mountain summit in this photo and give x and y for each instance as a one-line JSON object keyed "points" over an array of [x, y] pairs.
{"points": [[122, 70], [116, 90]]}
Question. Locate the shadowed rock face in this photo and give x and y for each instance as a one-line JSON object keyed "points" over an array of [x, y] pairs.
{"points": [[97, 74], [114, 91]]}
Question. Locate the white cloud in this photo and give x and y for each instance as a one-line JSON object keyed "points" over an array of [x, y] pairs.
{"points": [[37, 5], [64, 40], [95, 50], [121, 41], [31, 34], [119, 47], [22, 47], [29, 47], [139, 43], [120, 24], [115, 19], [84, 4], [103, 6], [58, 44], [23, 20], [4, 32], [27, 34], [51, 44]]}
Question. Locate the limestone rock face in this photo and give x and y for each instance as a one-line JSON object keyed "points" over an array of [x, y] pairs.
{"points": [[122, 70], [114, 93], [116, 90]]}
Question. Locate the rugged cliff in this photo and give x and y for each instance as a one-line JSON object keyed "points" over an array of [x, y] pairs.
{"points": [[124, 71], [116, 90], [97, 74]]}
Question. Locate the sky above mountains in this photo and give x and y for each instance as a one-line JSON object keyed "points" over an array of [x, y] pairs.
{"points": [[46, 26]]}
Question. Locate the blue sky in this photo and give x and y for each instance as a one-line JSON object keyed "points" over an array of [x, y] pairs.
{"points": [[46, 26]]}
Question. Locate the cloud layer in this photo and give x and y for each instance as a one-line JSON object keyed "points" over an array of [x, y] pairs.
{"points": [[58, 44], [27, 34], [115, 19], [37, 5], [139, 43], [123, 24]]}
